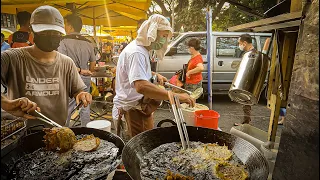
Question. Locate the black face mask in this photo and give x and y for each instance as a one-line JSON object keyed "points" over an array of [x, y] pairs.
{"points": [[47, 43]]}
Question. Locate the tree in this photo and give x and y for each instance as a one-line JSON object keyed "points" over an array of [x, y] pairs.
{"points": [[191, 14]]}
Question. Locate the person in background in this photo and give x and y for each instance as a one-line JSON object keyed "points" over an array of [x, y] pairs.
{"points": [[4, 44], [19, 107], [81, 51], [115, 49], [136, 97], [108, 51], [195, 66], [122, 46], [42, 74], [23, 36], [283, 113], [245, 45]]}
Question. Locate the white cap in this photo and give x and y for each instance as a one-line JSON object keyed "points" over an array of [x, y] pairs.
{"points": [[47, 18]]}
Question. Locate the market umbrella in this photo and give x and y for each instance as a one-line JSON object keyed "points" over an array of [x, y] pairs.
{"points": [[121, 31], [6, 33], [109, 13]]}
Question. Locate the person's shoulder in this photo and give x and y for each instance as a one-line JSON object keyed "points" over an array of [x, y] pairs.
{"points": [[13, 54], [64, 58], [199, 56], [133, 48], [6, 44]]}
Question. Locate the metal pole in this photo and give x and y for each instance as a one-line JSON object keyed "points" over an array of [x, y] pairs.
{"points": [[209, 57], [94, 25], [172, 15]]}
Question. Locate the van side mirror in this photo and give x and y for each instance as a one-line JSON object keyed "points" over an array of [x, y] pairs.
{"points": [[172, 51]]}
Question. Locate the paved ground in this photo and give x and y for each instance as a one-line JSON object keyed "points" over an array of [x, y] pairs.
{"points": [[230, 113]]}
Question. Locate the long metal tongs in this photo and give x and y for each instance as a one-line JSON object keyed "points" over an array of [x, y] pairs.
{"points": [[46, 119], [184, 90], [181, 124]]}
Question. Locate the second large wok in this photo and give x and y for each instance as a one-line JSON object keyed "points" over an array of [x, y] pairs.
{"points": [[34, 141], [143, 143]]}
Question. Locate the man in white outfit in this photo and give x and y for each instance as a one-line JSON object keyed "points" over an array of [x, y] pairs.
{"points": [[136, 97]]}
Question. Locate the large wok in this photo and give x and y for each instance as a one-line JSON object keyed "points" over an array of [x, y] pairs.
{"points": [[34, 141], [143, 143]]}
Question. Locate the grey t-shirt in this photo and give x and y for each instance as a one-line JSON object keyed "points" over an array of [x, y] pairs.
{"points": [[81, 52], [48, 85]]}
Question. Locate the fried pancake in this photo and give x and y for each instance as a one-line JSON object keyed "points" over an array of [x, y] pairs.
{"points": [[62, 138], [226, 171], [172, 176], [214, 152], [87, 144]]}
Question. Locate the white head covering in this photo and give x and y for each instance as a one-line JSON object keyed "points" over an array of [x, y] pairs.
{"points": [[147, 32]]}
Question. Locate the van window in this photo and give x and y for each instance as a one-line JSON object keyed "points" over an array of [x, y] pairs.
{"points": [[182, 47], [229, 47]]}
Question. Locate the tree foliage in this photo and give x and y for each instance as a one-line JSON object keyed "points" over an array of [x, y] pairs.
{"points": [[191, 14]]}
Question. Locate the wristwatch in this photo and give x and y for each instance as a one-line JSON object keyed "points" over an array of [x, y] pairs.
{"points": [[79, 70]]}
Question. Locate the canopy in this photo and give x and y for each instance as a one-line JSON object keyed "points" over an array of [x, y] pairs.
{"points": [[110, 13], [121, 31], [6, 33]]}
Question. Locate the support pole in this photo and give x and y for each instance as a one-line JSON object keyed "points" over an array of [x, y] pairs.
{"points": [[94, 24], [172, 15], [209, 57], [277, 98]]}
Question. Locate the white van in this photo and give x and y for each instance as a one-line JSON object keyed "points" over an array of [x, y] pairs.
{"points": [[226, 56]]}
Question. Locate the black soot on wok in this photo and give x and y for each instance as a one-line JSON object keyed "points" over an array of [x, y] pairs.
{"points": [[75, 165]]}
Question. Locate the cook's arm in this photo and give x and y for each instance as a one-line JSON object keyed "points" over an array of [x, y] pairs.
{"points": [[92, 66], [92, 59], [154, 92], [19, 107]]}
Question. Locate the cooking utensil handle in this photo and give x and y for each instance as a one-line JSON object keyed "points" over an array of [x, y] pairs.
{"points": [[46, 119], [49, 122], [76, 108], [176, 116], [184, 90], [165, 121], [183, 122]]}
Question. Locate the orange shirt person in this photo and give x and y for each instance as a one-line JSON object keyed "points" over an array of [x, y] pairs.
{"points": [[23, 36], [195, 66]]}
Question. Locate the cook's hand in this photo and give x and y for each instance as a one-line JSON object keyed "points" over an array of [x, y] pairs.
{"points": [[85, 97], [188, 75], [161, 79], [185, 98], [85, 72], [20, 107]]}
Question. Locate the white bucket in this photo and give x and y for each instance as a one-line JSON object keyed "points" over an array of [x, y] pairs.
{"points": [[100, 124], [188, 113]]}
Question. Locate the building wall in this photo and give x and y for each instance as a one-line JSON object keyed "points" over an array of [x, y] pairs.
{"points": [[298, 156]]}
